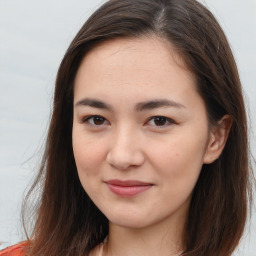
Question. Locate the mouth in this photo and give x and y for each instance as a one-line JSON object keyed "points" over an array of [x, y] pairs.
{"points": [[128, 188]]}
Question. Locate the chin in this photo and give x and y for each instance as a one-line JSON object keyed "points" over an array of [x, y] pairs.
{"points": [[127, 220], [129, 223]]}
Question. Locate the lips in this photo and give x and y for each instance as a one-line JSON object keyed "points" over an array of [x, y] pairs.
{"points": [[128, 188]]}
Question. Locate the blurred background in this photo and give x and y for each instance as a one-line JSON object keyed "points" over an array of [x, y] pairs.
{"points": [[34, 36]]}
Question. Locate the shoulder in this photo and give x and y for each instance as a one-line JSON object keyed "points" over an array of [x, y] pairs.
{"points": [[15, 250]]}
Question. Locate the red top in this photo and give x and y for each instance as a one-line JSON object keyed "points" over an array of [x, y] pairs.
{"points": [[15, 250]]}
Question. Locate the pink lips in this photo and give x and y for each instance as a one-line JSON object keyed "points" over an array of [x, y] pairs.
{"points": [[128, 188]]}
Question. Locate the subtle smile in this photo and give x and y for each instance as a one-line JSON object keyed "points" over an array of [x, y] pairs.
{"points": [[128, 188]]}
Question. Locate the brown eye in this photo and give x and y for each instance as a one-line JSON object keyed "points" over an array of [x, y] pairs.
{"points": [[160, 121], [95, 120], [98, 120]]}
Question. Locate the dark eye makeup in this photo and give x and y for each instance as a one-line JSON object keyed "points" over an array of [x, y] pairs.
{"points": [[157, 121], [96, 120], [160, 121]]}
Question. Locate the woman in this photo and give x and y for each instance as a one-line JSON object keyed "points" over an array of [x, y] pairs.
{"points": [[147, 146]]}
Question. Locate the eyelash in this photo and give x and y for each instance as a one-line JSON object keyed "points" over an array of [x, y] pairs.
{"points": [[165, 119], [88, 118], [153, 118]]}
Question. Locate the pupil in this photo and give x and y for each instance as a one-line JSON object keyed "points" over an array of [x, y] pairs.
{"points": [[98, 120], [160, 121]]}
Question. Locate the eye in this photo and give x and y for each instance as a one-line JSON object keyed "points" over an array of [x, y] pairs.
{"points": [[160, 121], [95, 120]]}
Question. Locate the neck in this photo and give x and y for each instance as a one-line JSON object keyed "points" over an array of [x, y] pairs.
{"points": [[151, 241]]}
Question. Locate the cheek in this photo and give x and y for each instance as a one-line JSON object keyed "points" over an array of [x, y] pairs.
{"points": [[89, 158], [179, 157], [89, 155]]}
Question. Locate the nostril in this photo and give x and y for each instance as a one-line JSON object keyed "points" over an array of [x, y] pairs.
{"points": [[123, 160]]}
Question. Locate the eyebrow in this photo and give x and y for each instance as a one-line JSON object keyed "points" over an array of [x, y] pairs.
{"points": [[141, 106], [93, 103], [158, 103]]}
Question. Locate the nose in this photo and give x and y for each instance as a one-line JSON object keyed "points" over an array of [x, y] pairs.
{"points": [[125, 151]]}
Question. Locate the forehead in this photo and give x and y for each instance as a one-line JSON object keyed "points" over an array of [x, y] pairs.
{"points": [[133, 68], [130, 48]]}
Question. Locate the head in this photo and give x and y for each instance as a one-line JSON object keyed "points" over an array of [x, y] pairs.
{"points": [[218, 203]]}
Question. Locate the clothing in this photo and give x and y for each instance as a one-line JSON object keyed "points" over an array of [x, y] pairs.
{"points": [[14, 250], [19, 250]]}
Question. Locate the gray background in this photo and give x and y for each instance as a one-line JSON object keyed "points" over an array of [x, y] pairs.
{"points": [[34, 35]]}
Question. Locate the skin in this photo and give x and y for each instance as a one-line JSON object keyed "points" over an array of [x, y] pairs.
{"points": [[127, 142]]}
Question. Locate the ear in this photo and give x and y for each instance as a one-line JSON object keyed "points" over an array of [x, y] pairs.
{"points": [[217, 139]]}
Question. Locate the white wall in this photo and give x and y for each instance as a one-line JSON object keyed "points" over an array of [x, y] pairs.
{"points": [[33, 38]]}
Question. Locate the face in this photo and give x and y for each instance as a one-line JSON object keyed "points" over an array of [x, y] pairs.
{"points": [[140, 131]]}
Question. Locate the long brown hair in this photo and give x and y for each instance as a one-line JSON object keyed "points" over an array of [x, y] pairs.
{"points": [[67, 222]]}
